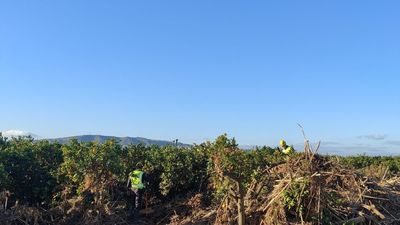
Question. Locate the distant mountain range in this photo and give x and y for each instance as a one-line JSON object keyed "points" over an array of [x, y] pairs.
{"points": [[89, 138], [121, 140]]}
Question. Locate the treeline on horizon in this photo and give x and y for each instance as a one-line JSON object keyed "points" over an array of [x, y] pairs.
{"points": [[42, 173]]}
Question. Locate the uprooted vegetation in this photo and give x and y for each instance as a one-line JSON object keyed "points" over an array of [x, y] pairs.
{"points": [[210, 183]]}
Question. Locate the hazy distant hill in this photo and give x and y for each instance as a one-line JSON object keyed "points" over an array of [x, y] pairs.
{"points": [[121, 140]]}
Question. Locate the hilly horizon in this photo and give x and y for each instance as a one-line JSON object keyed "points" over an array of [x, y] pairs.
{"points": [[121, 140], [89, 138]]}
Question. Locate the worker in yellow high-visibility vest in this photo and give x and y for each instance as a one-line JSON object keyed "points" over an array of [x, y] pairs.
{"points": [[135, 180], [287, 150]]}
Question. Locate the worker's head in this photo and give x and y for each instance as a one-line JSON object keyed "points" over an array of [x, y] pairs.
{"points": [[282, 143], [139, 166]]}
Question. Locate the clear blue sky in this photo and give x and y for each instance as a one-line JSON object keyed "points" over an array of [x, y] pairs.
{"points": [[196, 69]]}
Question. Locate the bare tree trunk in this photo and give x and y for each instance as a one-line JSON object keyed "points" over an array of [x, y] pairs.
{"points": [[228, 211], [240, 204]]}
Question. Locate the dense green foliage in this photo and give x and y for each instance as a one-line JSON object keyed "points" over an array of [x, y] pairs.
{"points": [[43, 173], [30, 169], [375, 166]]}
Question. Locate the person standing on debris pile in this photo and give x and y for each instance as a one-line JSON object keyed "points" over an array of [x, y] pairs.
{"points": [[136, 182], [287, 150]]}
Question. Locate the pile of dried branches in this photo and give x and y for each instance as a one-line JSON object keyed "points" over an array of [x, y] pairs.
{"points": [[83, 210], [310, 189], [94, 206], [304, 189]]}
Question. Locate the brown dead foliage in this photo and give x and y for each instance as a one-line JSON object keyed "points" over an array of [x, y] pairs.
{"points": [[331, 194], [310, 189], [305, 189]]}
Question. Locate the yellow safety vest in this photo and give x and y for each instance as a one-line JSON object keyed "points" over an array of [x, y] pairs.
{"points": [[136, 178], [288, 150]]}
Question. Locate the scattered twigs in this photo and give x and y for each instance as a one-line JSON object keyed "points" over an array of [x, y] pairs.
{"points": [[372, 208], [384, 175]]}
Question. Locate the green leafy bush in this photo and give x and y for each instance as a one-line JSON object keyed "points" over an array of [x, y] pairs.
{"points": [[37, 172], [31, 169]]}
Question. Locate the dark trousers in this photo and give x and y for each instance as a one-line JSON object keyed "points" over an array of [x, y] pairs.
{"points": [[136, 203]]}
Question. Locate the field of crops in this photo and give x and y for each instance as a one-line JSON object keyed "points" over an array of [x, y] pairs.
{"points": [[210, 183]]}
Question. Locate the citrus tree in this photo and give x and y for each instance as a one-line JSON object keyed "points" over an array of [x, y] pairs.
{"points": [[92, 168], [30, 169]]}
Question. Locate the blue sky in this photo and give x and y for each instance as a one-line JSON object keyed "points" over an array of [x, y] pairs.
{"points": [[196, 69]]}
